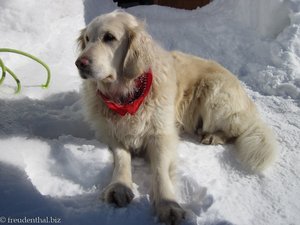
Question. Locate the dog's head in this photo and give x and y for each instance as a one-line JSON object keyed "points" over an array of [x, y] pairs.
{"points": [[114, 49]]}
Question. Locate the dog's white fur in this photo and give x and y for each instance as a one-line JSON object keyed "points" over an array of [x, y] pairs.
{"points": [[188, 93]]}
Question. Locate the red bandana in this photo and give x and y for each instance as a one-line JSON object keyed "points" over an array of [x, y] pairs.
{"points": [[132, 102]]}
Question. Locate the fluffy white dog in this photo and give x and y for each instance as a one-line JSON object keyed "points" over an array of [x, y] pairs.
{"points": [[138, 96]]}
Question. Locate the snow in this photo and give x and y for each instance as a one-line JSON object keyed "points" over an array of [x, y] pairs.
{"points": [[51, 165]]}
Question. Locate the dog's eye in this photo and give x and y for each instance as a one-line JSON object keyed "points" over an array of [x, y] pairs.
{"points": [[87, 39], [108, 37]]}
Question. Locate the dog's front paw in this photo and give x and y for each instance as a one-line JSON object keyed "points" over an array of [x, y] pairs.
{"points": [[118, 194], [169, 212]]}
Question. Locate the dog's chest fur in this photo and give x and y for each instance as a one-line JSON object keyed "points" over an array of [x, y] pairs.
{"points": [[130, 130]]}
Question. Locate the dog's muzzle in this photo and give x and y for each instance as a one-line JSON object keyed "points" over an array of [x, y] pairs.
{"points": [[84, 66]]}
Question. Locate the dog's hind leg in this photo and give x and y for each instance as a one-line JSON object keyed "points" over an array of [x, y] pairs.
{"points": [[216, 138], [119, 191]]}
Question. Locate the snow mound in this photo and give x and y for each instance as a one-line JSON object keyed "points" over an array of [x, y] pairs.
{"points": [[260, 16], [44, 161]]}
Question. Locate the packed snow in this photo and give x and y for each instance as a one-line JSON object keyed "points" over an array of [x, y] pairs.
{"points": [[52, 166]]}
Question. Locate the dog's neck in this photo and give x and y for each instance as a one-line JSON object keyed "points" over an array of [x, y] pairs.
{"points": [[134, 97]]}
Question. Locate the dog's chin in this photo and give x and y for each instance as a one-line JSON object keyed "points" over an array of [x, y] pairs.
{"points": [[108, 79]]}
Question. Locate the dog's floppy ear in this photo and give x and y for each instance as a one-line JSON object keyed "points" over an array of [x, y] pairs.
{"points": [[139, 54], [80, 39]]}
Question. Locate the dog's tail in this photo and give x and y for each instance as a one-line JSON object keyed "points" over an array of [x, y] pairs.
{"points": [[257, 146]]}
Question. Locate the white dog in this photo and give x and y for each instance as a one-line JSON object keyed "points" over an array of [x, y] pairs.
{"points": [[138, 96]]}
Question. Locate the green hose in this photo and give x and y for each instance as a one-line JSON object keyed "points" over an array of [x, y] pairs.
{"points": [[4, 68], [3, 71]]}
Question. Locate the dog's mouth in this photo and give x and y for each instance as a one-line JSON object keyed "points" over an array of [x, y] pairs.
{"points": [[85, 74], [132, 101]]}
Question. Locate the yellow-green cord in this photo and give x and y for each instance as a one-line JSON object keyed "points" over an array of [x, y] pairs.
{"points": [[16, 79], [4, 68], [3, 71]]}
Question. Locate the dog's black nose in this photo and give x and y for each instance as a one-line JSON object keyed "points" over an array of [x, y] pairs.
{"points": [[83, 63]]}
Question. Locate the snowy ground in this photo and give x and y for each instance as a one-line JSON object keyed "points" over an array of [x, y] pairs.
{"points": [[52, 166]]}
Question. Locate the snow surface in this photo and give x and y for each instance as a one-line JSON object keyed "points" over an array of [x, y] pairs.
{"points": [[52, 165]]}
